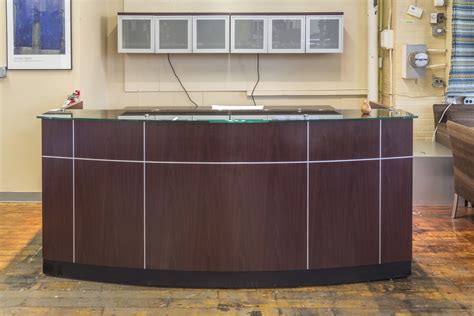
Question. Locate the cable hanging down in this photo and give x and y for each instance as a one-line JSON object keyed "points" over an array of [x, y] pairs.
{"points": [[258, 79], [182, 86]]}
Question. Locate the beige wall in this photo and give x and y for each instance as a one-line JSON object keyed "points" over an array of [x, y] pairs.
{"points": [[27, 93], [110, 80], [416, 96]]}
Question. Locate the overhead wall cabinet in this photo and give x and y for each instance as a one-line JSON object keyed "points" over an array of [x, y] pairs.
{"points": [[239, 33], [136, 34], [211, 34], [249, 34], [324, 33], [174, 34], [286, 34]]}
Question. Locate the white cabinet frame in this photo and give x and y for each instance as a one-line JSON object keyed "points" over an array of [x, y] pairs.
{"points": [[121, 49], [273, 18], [235, 18], [310, 18], [225, 18], [189, 49]]}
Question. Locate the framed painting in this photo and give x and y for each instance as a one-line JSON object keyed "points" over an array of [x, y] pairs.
{"points": [[39, 34]]}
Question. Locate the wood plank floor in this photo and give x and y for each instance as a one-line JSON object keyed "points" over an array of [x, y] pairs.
{"points": [[442, 280]]}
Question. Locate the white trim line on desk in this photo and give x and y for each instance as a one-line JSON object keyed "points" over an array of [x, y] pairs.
{"points": [[307, 195], [232, 162], [73, 195], [380, 192], [144, 196]]}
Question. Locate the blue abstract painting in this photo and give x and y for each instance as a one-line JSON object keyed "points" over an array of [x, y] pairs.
{"points": [[39, 27]]}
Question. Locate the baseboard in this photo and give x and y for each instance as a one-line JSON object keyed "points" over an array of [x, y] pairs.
{"points": [[20, 197]]}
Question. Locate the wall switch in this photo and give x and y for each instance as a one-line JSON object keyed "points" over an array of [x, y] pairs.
{"points": [[439, 3], [437, 18], [415, 11], [387, 39], [3, 72]]}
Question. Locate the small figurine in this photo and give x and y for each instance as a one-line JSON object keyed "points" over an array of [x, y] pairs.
{"points": [[72, 99], [366, 108]]}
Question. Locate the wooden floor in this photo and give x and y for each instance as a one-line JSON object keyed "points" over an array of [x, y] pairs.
{"points": [[442, 280]]}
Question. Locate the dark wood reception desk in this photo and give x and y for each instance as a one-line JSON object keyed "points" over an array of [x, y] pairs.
{"points": [[216, 202]]}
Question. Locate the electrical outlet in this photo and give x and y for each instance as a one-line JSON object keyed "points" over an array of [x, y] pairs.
{"points": [[439, 3], [415, 11], [438, 30], [469, 101], [438, 82], [455, 100], [437, 18], [3, 72]]}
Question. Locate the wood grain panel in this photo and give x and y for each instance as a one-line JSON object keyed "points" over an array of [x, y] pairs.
{"points": [[109, 140], [397, 138], [109, 213], [397, 196], [334, 140], [57, 137], [226, 142], [226, 217], [57, 209], [343, 211]]}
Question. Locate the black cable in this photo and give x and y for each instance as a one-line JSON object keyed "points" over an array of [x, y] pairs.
{"points": [[258, 79], [182, 86]]}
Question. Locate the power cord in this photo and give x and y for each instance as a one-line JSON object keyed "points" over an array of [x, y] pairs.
{"points": [[441, 118], [258, 79], [182, 86]]}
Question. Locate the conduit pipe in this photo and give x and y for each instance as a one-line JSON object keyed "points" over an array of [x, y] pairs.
{"points": [[373, 47]]}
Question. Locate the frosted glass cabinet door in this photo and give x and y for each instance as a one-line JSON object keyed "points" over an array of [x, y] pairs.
{"points": [[136, 34], [211, 34], [286, 34], [249, 34], [174, 34], [324, 34]]}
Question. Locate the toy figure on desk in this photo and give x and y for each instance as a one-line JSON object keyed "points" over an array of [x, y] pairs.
{"points": [[72, 99], [366, 108]]}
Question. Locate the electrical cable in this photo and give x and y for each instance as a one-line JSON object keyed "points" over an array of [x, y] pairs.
{"points": [[439, 122], [258, 79], [182, 86]]}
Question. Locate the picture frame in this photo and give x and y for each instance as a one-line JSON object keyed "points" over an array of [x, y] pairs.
{"points": [[39, 35]]}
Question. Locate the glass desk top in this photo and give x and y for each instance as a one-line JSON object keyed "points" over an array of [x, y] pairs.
{"points": [[269, 114]]}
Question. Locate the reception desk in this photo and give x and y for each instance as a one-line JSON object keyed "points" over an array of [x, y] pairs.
{"points": [[206, 199]]}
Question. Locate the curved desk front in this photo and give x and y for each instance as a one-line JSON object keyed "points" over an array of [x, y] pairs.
{"points": [[227, 203]]}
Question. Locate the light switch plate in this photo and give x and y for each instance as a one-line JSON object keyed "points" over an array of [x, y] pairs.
{"points": [[3, 72], [415, 11]]}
